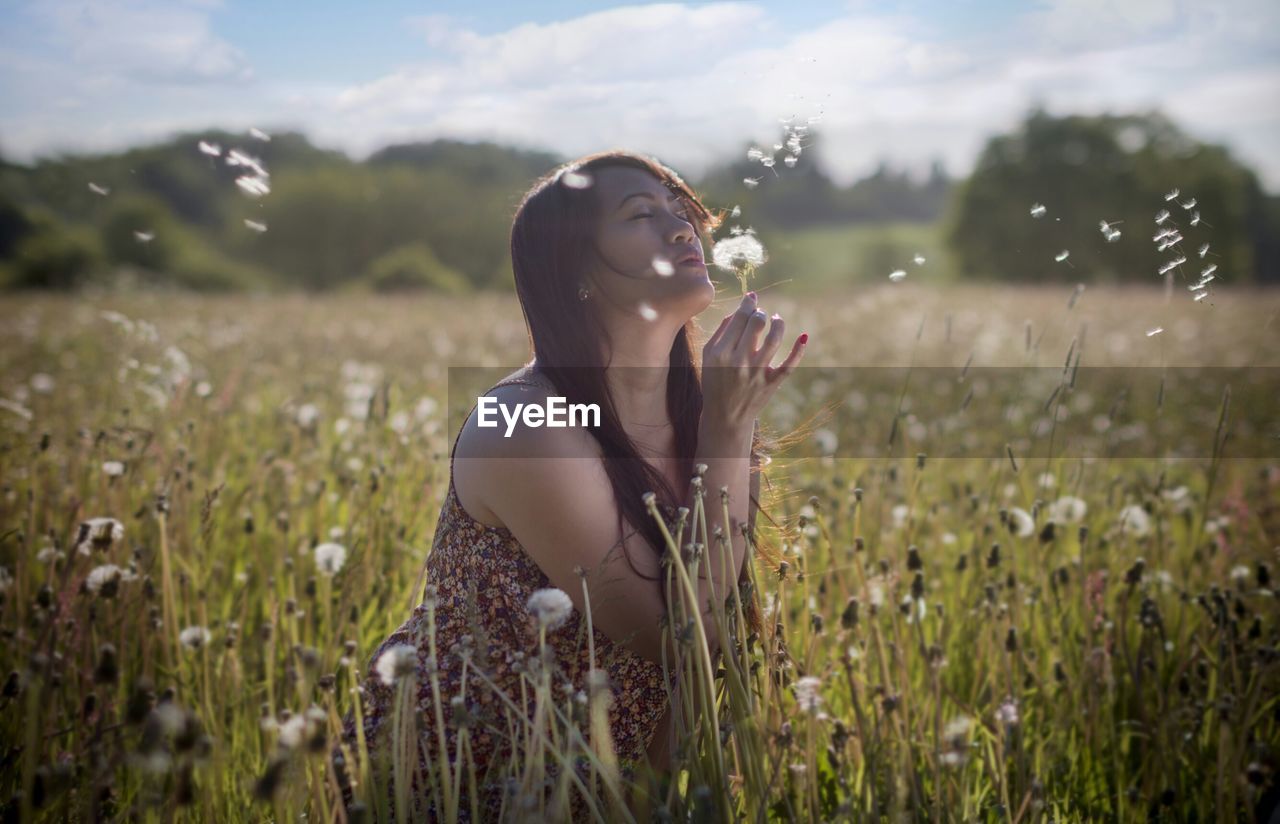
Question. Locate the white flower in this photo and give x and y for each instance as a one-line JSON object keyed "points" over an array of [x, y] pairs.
{"points": [[1021, 522], [550, 606], [194, 637], [308, 414], [330, 557], [900, 515], [1047, 481], [1008, 713], [113, 469], [948, 538], [807, 695], [1067, 510], [293, 731], [99, 532], [1134, 520], [396, 662], [101, 575]]}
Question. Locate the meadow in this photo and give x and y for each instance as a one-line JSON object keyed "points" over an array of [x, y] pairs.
{"points": [[215, 508]]}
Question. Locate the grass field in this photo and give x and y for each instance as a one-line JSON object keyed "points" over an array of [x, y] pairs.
{"points": [[944, 654]]}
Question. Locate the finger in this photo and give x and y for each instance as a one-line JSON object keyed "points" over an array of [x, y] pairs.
{"points": [[778, 374], [739, 320], [771, 341], [750, 335], [719, 332]]}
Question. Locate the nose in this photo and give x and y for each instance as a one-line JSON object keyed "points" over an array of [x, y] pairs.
{"points": [[682, 231]]}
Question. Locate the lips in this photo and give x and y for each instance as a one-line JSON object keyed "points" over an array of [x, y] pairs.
{"points": [[693, 258]]}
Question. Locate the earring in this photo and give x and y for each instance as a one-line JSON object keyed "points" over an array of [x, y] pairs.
{"points": [[583, 294]]}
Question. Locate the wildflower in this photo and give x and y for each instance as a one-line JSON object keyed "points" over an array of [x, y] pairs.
{"points": [[330, 557], [550, 606], [1021, 523], [1134, 520], [396, 662], [113, 469], [194, 637], [1007, 713], [1067, 510], [807, 695], [308, 414], [100, 533], [107, 576]]}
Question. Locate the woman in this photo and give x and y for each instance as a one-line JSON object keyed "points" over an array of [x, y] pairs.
{"points": [[608, 260]]}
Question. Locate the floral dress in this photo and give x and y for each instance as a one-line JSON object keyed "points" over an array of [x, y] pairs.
{"points": [[482, 580]]}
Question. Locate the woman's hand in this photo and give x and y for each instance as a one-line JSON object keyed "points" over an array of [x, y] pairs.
{"points": [[737, 379]]}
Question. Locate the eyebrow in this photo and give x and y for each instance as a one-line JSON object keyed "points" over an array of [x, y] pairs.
{"points": [[646, 194]]}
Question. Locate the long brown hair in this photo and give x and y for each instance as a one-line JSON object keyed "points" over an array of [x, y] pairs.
{"points": [[552, 245]]}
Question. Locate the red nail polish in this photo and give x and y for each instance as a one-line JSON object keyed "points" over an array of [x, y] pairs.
{"points": [[804, 338]]}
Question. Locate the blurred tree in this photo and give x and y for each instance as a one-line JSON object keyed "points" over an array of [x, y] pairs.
{"points": [[412, 268], [1085, 170]]}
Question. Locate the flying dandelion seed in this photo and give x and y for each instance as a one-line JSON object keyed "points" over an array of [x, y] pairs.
{"points": [[143, 237], [897, 275], [1112, 236], [918, 260], [99, 190], [330, 557], [396, 662], [663, 266], [211, 149], [751, 182], [576, 180], [1173, 193], [551, 607], [1062, 256], [235, 157], [1204, 250], [1209, 270], [254, 186], [736, 211], [1162, 216], [1195, 287], [1195, 218], [1201, 296], [1189, 205], [255, 225], [790, 160], [1151, 333], [1171, 265], [647, 312], [754, 154], [1206, 279], [1038, 210], [258, 134]]}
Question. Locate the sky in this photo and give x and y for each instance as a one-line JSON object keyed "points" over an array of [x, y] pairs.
{"points": [[905, 82]]}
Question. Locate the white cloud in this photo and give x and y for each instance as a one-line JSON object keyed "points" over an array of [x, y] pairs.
{"points": [[692, 83], [141, 41]]}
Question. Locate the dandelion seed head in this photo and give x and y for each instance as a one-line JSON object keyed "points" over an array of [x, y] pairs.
{"points": [[741, 250], [1021, 523], [1133, 520], [396, 662], [1067, 510], [551, 607], [194, 637], [807, 693], [330, 557]]}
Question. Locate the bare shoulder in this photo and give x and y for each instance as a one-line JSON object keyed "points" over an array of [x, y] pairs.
{"points": [[486, 454]]}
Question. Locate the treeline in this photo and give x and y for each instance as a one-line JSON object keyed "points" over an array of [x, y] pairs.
{"points": [[437, 215]]}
